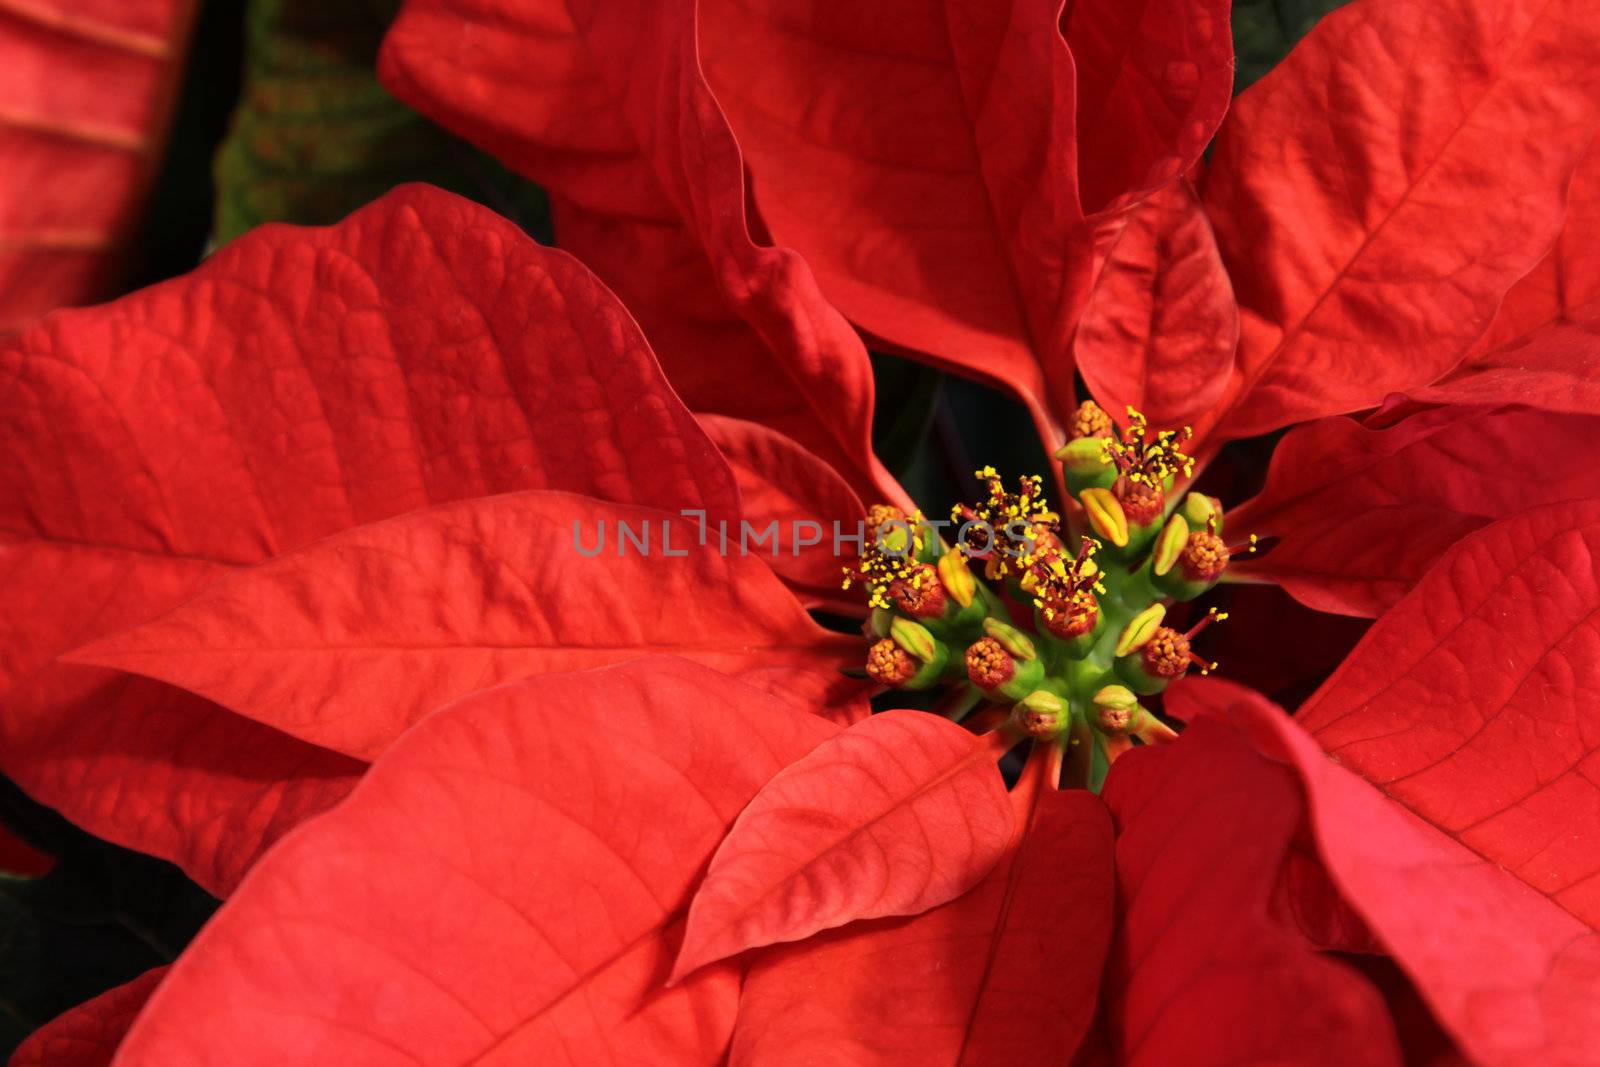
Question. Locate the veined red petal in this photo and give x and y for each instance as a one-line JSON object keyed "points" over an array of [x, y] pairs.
{"points": [[922, 156], [349, 641], [87, 89], [779, 480], [1557, 368], [1470, 701], [164, 771], [88, 1035], [1200, 972], [1161, 325], [1154, 79], [1361, 514], [297, 383], [1512, 975], [506, 886], [1564, 287], [605, 106], [1543, 348], [1006, 973], [900, 813], [1378, 193]]}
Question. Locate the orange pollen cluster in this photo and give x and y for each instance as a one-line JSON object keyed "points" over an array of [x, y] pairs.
{"points": [[1090, 420], [989, 664], [877, 515], [1166, 655], [889, 664], [1203, 557]]}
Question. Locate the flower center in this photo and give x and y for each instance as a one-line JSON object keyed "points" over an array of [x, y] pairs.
{"points": [[1070, 639]]}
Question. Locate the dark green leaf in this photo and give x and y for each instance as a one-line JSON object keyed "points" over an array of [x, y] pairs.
{"points": [[907, 393], [315, 136]]}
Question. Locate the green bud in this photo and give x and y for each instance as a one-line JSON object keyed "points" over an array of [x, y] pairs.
{"points": [[957, 578], [1010, 638], [1041, 714], [1199, 509], [1085, 466], [915, 639], [1115, 715], [1140, 629], [1168, 546], [879, 621]]}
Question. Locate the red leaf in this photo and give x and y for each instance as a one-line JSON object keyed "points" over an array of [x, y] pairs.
{"points": [[348, 642], [132, 761], [1362, 514], [647, 187], [400, 375], [1565, 286], [299, 382], [838, 698], [1154, 79], [1557, 368], [922, 157], [87, 87], [1469, 702], [1514, 977], [898, 814], [1006, 973], [781, 481], [1160, 328], [1379, 192], [1199, 973], [163, 771], [506, 886], [88, 1035]]}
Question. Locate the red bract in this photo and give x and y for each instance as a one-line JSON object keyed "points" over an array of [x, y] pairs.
{"points": [[402, 383], [88, 87], [327, 499], [89, 1035], [1369, 248]]}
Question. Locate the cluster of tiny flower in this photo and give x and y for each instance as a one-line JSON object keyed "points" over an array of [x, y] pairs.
{"points": [[1067, 629]]}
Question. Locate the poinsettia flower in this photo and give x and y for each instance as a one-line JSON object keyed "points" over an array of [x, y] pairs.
{"points": [[265, 491], [88, 90]]}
